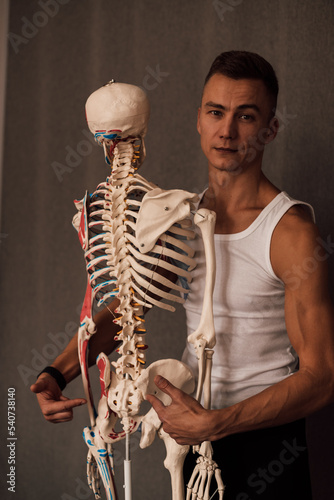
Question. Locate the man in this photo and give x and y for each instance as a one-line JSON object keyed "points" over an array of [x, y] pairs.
{"points": [[274, 359]]}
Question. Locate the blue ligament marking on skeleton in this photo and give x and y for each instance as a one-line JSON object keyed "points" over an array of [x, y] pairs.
{"points": [[102, 452], [92, 277], [105, 283], [104, 469], [94, 261], [106, 296], [97, 135], [100, 235]]}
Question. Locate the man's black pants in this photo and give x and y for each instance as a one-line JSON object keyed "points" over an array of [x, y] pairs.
{"points": [[267, 464]]}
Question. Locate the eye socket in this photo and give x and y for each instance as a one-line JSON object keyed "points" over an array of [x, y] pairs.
{"points": [[246, 118], [215, 112]]}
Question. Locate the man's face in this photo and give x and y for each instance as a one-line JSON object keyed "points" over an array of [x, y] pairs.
{"points": [[235, 122]]}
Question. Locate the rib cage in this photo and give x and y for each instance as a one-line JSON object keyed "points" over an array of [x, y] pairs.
{"points": [[113, 255], [117, 268]]}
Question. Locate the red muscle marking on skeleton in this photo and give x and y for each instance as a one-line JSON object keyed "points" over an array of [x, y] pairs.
{"points": [[101, 364]]}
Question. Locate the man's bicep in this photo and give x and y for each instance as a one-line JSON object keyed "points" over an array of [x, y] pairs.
{"points": [[308, 309], [309, 320], [310, 326]]}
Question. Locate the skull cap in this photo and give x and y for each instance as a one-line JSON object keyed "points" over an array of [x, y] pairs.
{"points": [[118, 106]]}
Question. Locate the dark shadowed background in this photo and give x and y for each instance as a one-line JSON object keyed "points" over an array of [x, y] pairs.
{"points": [[59, 52]]}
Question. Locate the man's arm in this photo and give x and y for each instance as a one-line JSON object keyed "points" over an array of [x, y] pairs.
{"points": [[56, 407], [299, 260]]}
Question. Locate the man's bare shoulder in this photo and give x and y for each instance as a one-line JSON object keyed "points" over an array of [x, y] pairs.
{"points": [[297, 223], [295, 239]]}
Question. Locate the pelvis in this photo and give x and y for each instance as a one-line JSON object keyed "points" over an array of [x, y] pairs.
{"points": [[121, 398], [115, 399]]}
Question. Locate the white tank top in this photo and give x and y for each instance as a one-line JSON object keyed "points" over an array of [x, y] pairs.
{"points": [[253, 350]]}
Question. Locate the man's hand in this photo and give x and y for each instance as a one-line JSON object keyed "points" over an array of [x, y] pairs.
{"points": [[55, 407], [185, 420]]}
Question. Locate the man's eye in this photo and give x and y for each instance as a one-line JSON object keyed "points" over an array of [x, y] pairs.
{"points": [[215, 112], [247, 118]]}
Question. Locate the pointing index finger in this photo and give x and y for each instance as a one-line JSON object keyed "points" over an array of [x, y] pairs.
{"points": [[64, 405], [162, 383], [156, 403]]}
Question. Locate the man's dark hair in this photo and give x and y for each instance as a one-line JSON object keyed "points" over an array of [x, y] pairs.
{"points": [[240, 64]]}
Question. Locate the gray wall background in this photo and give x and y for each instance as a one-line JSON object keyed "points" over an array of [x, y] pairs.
{"points": [[57, 56]]}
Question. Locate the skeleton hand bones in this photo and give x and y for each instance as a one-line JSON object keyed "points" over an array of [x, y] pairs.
{"points": [[188, 423], [200, 481]]}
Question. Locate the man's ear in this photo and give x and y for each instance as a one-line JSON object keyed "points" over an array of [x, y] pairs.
{"points": [[199, 130], [272, 129]]}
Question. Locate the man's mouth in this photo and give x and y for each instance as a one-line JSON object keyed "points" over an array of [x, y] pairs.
{"points": [[226, 150]]}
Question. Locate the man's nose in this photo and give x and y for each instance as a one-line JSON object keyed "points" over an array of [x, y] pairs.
{"points": [[227, 128]]}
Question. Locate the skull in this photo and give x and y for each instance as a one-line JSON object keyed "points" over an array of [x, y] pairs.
{"points": [[120, 108]]}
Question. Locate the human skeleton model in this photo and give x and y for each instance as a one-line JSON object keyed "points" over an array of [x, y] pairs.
{"points": [[133, 234]]}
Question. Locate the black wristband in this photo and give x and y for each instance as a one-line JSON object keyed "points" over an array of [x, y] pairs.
{"points": [[59, 377]]}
